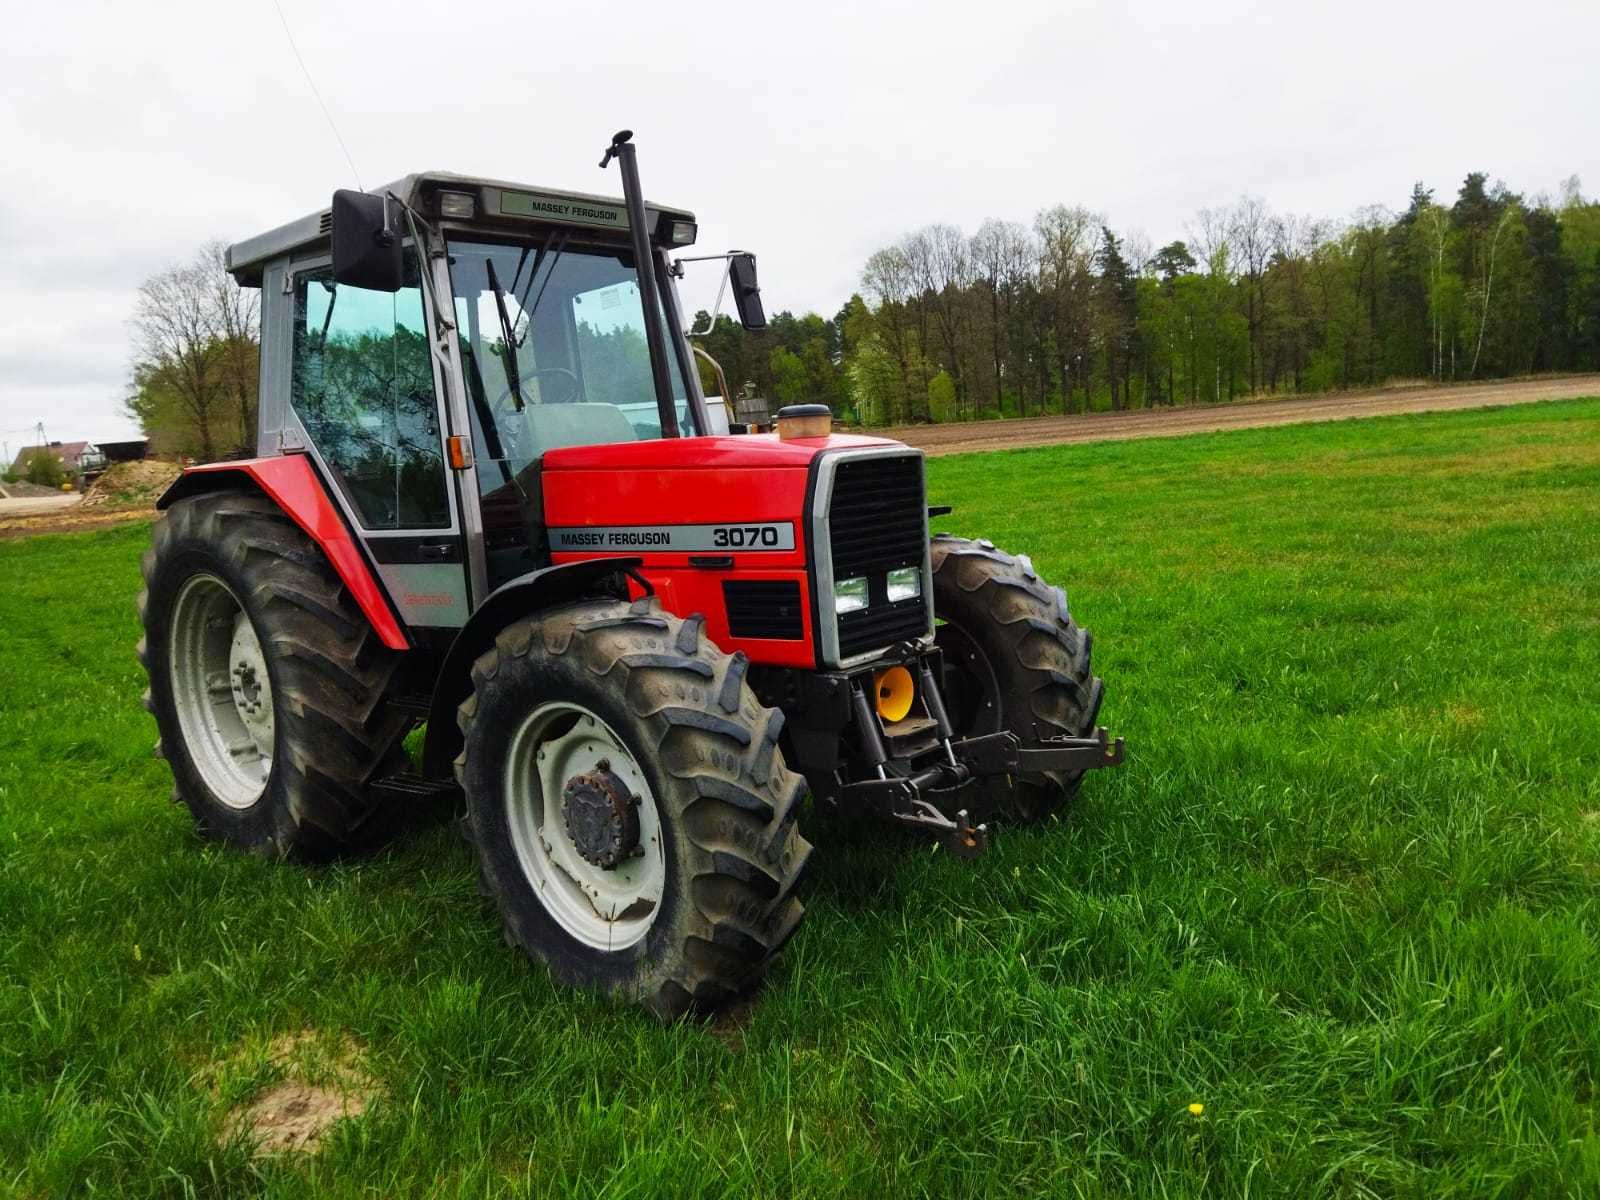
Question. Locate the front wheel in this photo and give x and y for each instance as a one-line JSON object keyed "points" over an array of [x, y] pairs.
{"points": [[633, 816], [1013, 659]]}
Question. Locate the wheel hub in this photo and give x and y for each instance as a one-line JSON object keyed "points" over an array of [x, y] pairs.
{"points": [[247, 679], [585, 826], [602, 817], [221, 691]]}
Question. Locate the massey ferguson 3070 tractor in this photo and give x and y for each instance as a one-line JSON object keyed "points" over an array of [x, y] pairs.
{"points": [[491, 496]]}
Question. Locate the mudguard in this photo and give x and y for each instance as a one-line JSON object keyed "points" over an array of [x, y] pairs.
{"points": [[294, 486], [510, 601]]}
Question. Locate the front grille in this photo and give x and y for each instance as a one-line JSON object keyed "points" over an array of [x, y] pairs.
{"points": [[763, 608], [878, 522], [877, 516], [874, 628]]}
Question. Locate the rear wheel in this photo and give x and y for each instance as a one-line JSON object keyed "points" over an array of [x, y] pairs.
{"points": [[269, 689], [1013, 659], [632, 812]]}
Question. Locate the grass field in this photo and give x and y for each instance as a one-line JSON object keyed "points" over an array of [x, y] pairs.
{"points": [[1345, 894]]}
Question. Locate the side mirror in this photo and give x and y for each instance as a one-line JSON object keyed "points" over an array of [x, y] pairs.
{"points": [[746, 291], [366, 248]]}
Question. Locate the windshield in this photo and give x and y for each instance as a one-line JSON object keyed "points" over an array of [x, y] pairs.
{"points": [[576, 368]]}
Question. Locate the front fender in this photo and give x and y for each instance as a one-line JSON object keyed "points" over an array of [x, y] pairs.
{"points": [[530, 593]]}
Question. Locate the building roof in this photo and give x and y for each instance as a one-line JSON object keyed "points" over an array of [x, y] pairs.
{"points": [[124, 451], [68, 452]]}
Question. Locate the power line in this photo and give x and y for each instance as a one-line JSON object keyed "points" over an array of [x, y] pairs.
{"points": [[312, 83]]}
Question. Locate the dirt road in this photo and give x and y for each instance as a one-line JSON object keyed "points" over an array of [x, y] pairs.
{"points": [[1169, 422], [25, 516], [28, 506]]}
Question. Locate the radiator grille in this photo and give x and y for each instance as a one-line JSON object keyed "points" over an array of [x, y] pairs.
{"points": [[877, 516], [878, 522], [763, 608], [875, 628]]}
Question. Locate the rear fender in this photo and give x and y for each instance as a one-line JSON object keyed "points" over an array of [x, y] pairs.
{"points": [[518, 598], [293, 485]]}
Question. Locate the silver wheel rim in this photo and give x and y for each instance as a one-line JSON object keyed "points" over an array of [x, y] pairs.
{"points": [[604, 909], [221, 691]]}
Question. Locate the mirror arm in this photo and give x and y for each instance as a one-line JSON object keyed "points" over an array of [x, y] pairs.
{"points": [[722, 288], [443, 320], [716, 309]]}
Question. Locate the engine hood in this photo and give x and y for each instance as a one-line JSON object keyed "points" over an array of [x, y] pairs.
{"points": [[761, 451]]}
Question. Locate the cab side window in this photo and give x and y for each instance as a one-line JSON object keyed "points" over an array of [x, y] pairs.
{"points": [[362, 385]]}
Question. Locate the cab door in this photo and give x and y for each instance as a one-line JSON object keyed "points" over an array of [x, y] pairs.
{"points": [[364, 395]]}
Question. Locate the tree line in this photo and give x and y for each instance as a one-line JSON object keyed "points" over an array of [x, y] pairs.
{"points": [[1066, 315], [1060, 315]]}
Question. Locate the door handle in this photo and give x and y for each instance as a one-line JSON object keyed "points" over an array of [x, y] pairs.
{"points": [[435, 551]]}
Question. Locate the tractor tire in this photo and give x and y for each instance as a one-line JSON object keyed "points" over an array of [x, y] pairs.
{"points": [[269, 688], [1014, 659], [685, 903]]}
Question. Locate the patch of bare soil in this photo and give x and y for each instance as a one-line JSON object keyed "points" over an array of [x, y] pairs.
{"points": [[69, 520], [728, 1023], [969, 436], [315, 1085]]}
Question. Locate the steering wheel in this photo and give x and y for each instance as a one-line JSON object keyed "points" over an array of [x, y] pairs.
{"points": [[567, 390]]}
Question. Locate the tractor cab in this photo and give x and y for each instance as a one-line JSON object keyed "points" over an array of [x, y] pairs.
{"points": [[428, 345]]}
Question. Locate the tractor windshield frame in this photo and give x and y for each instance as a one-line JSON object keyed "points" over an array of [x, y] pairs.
{"points": [[478, 479], [574, 311]]}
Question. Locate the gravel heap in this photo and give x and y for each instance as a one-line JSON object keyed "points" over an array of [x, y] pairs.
{"points": [[132, 483]]}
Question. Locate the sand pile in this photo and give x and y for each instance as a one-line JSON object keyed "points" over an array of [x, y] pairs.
{"points": [[132, 483]]}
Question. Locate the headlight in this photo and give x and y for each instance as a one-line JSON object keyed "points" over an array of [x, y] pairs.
{"points": [[905, 584], [850, 595]]}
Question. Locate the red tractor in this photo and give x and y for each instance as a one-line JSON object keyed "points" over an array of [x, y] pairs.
{"points": [[491, 496]]}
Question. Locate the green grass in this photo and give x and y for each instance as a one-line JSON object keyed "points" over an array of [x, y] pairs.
{"points": [[1344, 893]]}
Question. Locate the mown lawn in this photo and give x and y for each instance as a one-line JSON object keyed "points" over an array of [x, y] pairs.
{"points": [[1345, 894]]}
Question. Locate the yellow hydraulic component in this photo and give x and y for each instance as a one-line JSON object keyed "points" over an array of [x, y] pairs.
{"points": [[894, 690]]}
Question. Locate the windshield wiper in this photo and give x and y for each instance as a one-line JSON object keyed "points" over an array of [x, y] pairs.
{"points": [[509, 341], [558, 239]]}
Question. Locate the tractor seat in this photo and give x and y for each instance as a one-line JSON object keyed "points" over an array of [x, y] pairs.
{"points": [[556, 426]]}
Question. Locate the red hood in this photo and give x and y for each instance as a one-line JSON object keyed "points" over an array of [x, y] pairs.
{"points": [[762, 451]]}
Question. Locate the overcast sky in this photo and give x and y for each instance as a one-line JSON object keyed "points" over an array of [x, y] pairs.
{"points": [[810, 133]]}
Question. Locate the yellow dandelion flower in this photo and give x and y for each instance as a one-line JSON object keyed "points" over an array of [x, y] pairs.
{"points": [[1197, 1108]]}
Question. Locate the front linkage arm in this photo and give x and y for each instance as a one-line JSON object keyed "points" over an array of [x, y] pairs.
{"points": [[913, 776], [903, 795], [1001, 754]]}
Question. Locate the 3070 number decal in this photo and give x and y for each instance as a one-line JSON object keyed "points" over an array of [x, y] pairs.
{"points": [[742, 537]]}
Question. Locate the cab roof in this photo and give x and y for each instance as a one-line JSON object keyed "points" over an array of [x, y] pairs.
{"points": [[498, 203]]}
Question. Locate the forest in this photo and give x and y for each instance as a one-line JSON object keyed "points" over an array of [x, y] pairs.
{"points": [[1066, 315]]}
